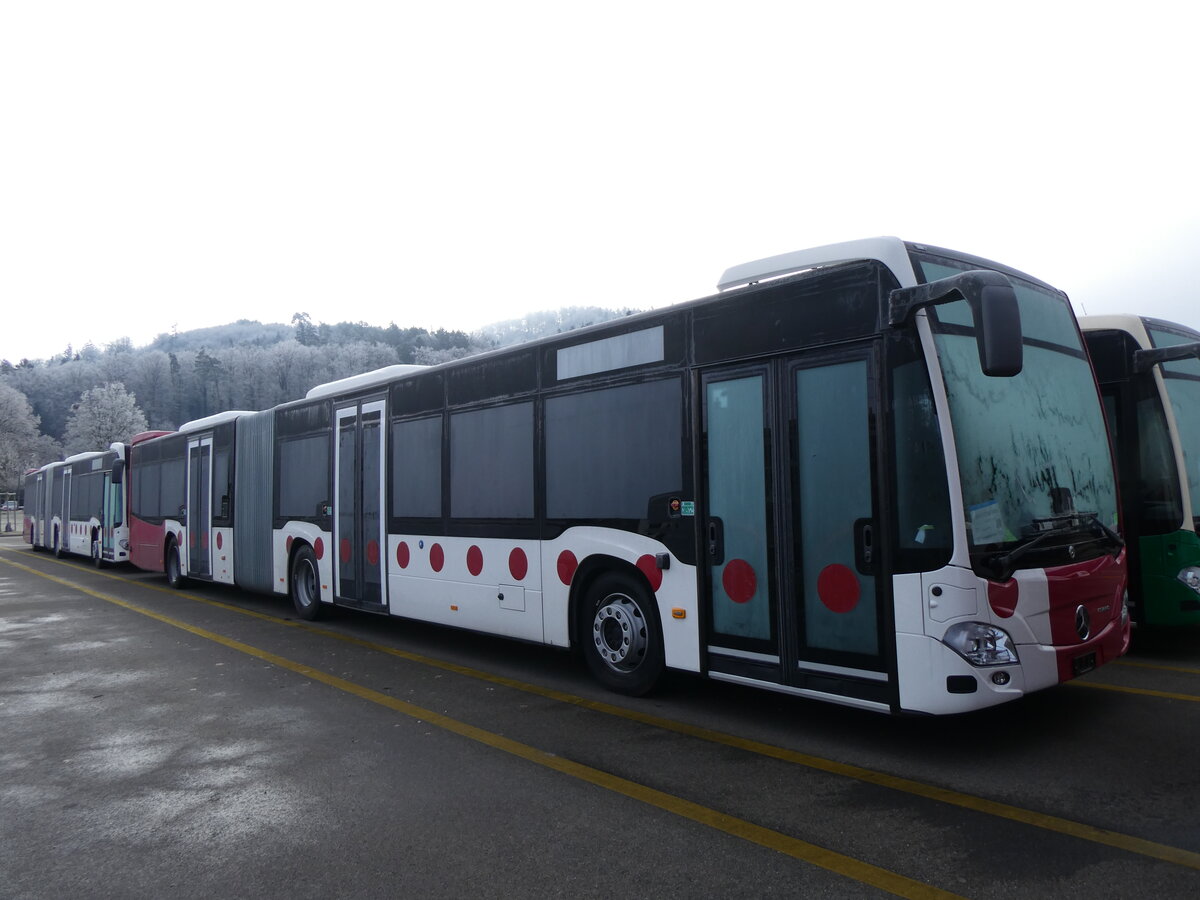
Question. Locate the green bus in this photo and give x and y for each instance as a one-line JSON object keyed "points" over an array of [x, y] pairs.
{"points": [[1149, 376]]}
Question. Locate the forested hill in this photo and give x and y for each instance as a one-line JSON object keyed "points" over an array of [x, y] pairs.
{"points": [[251, 365]]}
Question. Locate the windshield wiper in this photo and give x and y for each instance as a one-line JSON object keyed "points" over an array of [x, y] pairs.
{"points": [[1004, 564], [1099, 527]]}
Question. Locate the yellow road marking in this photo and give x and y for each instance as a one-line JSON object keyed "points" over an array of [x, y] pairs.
{"points": [[1145, 692], [764, 837], [1187, 670], [1115, 839]]}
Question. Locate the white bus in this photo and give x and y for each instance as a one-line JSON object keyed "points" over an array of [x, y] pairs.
{"points": [[79, 506], [874, 473]]}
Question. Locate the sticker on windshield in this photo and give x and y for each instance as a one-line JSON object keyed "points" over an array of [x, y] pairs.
{"points": [[987, 525]]}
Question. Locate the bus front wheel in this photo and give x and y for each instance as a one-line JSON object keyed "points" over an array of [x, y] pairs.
{"points": [[97, 555], [305, 584], [174, 569], [621, 637]]}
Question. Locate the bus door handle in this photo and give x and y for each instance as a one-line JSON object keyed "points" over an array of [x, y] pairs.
{"points": [[716, 541], [865, 552]]}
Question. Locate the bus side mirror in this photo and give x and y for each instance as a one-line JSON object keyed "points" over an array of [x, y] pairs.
{"points": [[118, 471], [994, 312], [998, 330]]}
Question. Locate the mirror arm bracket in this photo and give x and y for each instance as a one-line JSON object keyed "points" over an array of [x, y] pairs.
{"points": [[1145, 360], [903, 302]]}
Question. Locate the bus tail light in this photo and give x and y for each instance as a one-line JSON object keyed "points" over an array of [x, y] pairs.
{"points": [[980, 644], [1191, 577]]}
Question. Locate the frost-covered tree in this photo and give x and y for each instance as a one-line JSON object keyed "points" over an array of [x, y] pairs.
{"points": [[103, 414], [20, 441]]}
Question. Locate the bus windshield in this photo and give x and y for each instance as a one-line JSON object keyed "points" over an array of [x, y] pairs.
{"points": [[1033, 451], [1182, 380]]}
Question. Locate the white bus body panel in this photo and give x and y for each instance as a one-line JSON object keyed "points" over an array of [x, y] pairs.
{"points": [[282, 540], [222, 555], [430, 579]]}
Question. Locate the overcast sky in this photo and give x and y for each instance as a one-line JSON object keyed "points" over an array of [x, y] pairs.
{"points": [[453, 164]]}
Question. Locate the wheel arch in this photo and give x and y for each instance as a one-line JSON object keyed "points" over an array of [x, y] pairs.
{"points": [[592, 569]]}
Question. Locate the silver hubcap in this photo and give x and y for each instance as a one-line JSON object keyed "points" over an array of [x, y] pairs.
{"points": [[619, 630], [306, 583]]}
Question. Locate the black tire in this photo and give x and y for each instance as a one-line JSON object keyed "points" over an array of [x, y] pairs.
{"points": [[97, 554], [621, 635], [58, 550], [304, 583], [173, 568]]}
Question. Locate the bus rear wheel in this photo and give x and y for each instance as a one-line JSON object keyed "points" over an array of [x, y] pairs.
{"points": [[622, 640], [174, 569], [305, 584]]}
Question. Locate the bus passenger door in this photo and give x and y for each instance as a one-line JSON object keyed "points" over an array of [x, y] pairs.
{"points": [[199, 507], [358, 525], [738, 535], [62, 542], [792, 528], [107, 513], [39, 511]]}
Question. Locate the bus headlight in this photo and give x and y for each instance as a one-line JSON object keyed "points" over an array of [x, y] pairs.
{"points": [[125, 545], [1191, 577], [980, 644]]}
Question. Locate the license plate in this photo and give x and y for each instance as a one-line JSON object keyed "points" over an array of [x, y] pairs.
{"points": [[1081, 665]]}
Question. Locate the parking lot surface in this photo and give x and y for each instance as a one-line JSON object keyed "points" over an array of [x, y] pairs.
{"points": [[202, 742]]}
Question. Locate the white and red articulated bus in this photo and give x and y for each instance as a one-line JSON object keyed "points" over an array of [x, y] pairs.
{"points": [[874, 473], [79, 506]]}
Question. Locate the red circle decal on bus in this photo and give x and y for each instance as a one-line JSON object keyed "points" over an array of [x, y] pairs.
{"points": [[289, 544], [838, 588], [474, 560], [402, 556], [648, 567], [220, 542], [567, 564], [437, 558], [518, 564], [372, 553], [1003, 597], [344, 550], [318, 547], [739, 581]]}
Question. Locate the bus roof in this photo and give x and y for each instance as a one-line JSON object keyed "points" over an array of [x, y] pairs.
{"points": [[87, 454], [359, 382], [1112, 322], [891, 251], [214, 420], [147, 436]]}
